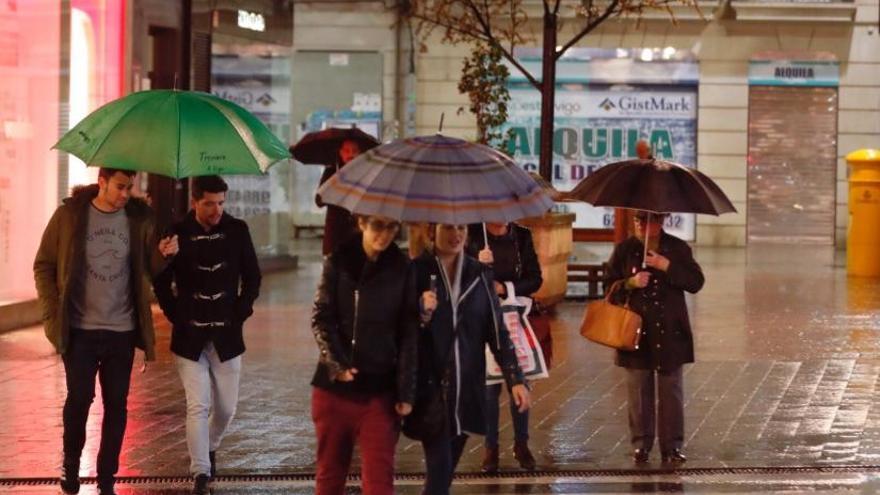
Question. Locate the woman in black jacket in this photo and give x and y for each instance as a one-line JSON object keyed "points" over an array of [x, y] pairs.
{"points": [[460, 316], [510, 253], [656, 292], [365, 320]]}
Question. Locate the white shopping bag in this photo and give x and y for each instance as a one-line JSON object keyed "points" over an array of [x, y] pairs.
{"points": [[514, 311]]}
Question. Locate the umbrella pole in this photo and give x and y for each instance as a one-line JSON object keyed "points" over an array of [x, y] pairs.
{"points": [[647, 235], [485, 237]]}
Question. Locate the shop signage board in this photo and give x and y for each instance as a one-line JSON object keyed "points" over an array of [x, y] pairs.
{"points": [[597, 123], [821, 73]]}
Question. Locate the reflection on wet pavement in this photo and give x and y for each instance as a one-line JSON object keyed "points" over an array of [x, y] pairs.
{"points": [[788, 359]]}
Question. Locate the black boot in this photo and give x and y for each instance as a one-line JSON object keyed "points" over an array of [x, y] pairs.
{"points": [[200, 484], [674, 456], [490, 460], [522, 454], [105, 487], [640, 456], [70, 478]]}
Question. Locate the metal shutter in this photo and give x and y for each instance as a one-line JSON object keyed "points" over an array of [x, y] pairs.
{"points": [[792, 164]]}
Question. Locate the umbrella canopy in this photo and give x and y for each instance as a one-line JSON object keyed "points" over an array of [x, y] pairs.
{"points": [[174, 133], [652, 185], [436, 179], [322, 147]]}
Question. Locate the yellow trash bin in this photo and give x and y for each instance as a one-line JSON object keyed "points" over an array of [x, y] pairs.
{"points": [[863, 237]]}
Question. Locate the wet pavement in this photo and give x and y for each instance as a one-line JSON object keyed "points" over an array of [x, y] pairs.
{"points": [[788, 359]]}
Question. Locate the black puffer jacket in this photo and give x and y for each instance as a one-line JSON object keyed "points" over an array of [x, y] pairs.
{"points": [[366, 316], [218, 280], [477, 317]]}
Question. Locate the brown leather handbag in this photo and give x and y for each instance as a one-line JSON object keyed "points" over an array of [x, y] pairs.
{"points": [[612, 325]]}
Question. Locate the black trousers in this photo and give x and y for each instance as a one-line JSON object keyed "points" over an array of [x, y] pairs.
{"points": [[109, 356], [441, 458]]}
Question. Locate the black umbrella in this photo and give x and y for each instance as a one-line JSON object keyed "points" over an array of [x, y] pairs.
{"points": [[322, 147], [652, 185]]}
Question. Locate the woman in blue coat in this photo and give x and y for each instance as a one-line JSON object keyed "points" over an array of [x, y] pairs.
{"points": [[460, 316]]}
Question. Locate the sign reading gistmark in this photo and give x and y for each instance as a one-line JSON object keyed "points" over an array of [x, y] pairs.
{"points": [[794, 73]]}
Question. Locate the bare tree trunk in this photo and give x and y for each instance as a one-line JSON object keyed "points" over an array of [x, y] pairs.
{"points": [[548, 96]]}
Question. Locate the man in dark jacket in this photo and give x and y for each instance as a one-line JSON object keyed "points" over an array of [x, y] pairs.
{"points": [[656, 292], [92, 274], [217, 281]]}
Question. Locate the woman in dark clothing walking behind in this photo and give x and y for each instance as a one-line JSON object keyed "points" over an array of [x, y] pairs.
{"points": [[339, 224], [460, 316], [656, 292], [365, 320], [510, 254]]}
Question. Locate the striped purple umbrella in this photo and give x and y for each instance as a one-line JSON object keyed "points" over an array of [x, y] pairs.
{"points": [[436, 179]]}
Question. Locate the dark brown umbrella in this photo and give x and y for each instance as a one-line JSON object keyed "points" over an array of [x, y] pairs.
{"points": [[652, 185], [322, 147]]}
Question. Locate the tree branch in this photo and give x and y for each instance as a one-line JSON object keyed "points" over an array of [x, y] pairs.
{"points": [[522, 69], [484, 22], [556, 8], [612, 7]]}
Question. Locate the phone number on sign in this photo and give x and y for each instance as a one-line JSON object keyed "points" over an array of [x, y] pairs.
{"points": [[673, 221]]}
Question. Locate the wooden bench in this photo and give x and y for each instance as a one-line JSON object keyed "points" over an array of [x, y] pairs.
{"points": [[593, 275]]}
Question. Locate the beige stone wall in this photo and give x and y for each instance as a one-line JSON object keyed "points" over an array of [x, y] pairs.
{"points": [[723, 48], [367, 27]]}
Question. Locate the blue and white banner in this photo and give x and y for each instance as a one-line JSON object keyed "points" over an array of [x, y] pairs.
{"points": [[596, 125]]}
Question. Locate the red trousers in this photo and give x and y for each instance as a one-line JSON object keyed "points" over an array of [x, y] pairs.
{"points": [[343, 421]]}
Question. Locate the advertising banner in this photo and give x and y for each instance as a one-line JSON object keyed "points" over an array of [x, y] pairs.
{"points": [[261, 85], [600, 124]]}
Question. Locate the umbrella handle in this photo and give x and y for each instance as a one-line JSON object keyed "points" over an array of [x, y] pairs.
{"points": [[485, 237], [647, 236]]}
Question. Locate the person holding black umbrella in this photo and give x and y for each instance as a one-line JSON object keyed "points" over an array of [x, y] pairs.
{"points": [[339, 224], [654, 280], [333, 148]]}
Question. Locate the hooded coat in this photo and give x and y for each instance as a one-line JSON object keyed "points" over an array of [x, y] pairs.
{"points": [[452, 345], [62, 252]]}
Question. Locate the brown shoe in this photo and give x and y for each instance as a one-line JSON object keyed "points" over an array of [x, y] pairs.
{"points": [[490, 460], [522, 454]]}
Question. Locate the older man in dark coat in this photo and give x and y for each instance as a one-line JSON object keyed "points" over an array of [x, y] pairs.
{"points": [[656, 291]]}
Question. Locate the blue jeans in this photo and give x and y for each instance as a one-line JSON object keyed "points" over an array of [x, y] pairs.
{"points": [[520, 420], [441, 458]]}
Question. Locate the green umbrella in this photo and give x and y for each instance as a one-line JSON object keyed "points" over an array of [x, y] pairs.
{"points": [[174, 133]]}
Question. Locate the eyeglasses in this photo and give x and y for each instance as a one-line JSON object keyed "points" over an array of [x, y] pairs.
{"points": [[379, 225]]}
